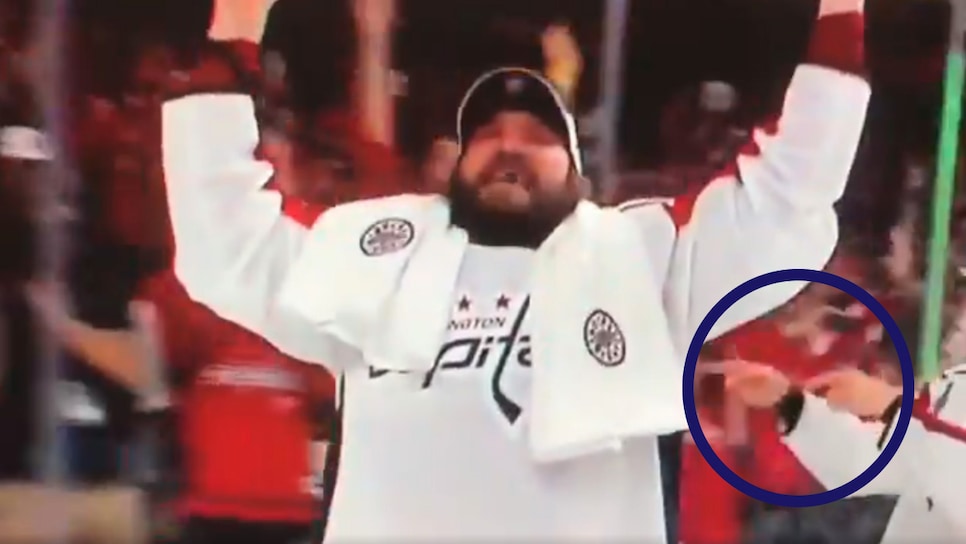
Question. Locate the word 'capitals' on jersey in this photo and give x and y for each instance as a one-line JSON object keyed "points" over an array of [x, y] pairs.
{"points": [[484, 333]]}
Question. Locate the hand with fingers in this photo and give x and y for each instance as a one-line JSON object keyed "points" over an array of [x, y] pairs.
{"points": [[832, 7], [560, 47], [854, 391], [563, 60], [756, 384], [239, 19]]}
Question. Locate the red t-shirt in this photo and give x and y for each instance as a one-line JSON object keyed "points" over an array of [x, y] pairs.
{"points": [[713, 512], [772, 465], [244, 411]]}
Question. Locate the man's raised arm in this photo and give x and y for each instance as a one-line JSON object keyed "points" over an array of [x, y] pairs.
{"points": [[772, 209], [234, 237]]}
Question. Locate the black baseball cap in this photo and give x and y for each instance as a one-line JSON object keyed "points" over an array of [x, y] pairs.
{"points": [[517, 89]]}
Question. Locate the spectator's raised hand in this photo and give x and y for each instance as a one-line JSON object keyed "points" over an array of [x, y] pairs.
{"points": [[563, 61], [560, 47], [240, 22], [240, 19], [374, 16], [831, 7]]}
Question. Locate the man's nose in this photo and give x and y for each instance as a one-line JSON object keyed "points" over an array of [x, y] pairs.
{"points": [[510, 142]]}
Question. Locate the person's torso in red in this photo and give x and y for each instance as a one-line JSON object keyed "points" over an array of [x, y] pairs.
{"points": [[712, 511], [771, 464], [244, 411]]}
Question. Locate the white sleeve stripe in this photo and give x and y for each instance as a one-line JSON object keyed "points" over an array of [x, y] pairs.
{"points": [[647, 201]]}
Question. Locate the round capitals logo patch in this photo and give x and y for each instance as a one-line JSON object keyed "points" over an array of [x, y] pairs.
{"points": [[604, 339], [386, 236]]}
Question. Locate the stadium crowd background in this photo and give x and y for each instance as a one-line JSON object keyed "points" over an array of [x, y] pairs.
{"points": [[369, 91]]}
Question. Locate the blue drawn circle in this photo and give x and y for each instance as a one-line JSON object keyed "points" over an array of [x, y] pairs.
{"points": [[901, 425]]}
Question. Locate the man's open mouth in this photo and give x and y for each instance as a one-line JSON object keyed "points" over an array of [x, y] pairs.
{"points": [[508, 176]]}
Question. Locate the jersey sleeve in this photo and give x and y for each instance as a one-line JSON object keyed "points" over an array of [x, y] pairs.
{"points": [[294, 327], [836, 447], [772, 208], [234, 236]]}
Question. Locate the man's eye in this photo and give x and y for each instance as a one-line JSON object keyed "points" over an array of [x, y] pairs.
{"points": [[542, 136], [486, 132]]}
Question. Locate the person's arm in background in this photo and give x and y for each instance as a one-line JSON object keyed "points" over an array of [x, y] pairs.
{"points": [[89, 312], [234, 236], [118, 354], [774, 209], [830, 438], [374, 19], [124, 355]]}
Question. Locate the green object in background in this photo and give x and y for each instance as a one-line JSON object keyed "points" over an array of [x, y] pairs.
{"points": [[930, 347]]}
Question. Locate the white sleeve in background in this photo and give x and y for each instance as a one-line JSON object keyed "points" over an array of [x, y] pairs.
{"points": [[233, 245], [836, 447]]}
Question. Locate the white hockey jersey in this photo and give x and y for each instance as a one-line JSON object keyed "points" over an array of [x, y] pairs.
{"points": [[446, 460]]}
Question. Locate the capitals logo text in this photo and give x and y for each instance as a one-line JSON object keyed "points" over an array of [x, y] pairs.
{"points": [[485, 335]]}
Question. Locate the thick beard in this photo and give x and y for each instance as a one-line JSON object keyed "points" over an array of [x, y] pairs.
{"points": [[514, 229]]}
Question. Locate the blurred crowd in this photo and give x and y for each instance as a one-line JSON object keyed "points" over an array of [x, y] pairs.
{"points": [[159, 413]]}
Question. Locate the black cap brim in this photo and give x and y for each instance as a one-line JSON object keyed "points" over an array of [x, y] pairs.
{"points": [[516, 89]]}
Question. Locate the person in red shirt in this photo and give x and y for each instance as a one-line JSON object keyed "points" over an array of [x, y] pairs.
{"points": [[246, 413], [820, 330], [246, 424], [712, 511]]}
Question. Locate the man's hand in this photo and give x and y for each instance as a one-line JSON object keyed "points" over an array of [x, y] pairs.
{"points": [[560, 48], [755, 384], [831, 7], [240, 19], [374, 16], [563, 62], [854, 391]]}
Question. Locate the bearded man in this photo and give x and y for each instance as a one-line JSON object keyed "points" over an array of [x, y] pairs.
{"points": [[509, 352]]}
